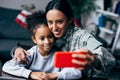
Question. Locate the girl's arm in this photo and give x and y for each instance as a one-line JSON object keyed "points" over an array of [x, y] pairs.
{"points": [[15, 68], [39, 76], [18, 68]]}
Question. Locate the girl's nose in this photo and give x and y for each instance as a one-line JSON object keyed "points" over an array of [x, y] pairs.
{"points": [[46, 40]]}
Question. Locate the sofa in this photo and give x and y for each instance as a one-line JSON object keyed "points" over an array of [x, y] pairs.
{"points": [[11, 33]]}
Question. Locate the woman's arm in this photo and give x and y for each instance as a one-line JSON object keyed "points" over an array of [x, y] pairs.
{"points": [[99, 60], [107, 60], [18, 53]]}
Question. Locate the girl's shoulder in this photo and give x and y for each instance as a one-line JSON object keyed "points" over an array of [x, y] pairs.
{"points": [[33, 50]]}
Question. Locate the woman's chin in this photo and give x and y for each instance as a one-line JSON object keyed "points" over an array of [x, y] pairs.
{"points": [[58, 36]]}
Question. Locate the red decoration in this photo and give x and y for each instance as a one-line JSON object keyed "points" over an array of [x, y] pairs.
{"points": [[20, 19]]}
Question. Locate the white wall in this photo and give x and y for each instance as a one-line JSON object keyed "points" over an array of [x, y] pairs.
{"points": [[16, 4], [93, 18]]}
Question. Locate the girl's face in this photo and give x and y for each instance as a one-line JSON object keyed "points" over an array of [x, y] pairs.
{"points": [[43, 38], [57, 22]]}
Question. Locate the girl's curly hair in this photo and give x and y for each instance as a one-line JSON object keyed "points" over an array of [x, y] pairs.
{"points": [[34, 20]]}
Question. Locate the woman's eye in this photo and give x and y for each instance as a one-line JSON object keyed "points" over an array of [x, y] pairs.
{"points": [[59, 22], [49, 22]]}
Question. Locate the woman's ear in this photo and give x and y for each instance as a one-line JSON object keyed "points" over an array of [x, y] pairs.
{"points": [[34, 40]]}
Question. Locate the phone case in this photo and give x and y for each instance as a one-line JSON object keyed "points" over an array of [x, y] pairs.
{"points": [[64, 59]]}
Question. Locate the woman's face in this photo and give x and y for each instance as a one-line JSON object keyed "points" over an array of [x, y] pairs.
{"points": [[57, 22]]}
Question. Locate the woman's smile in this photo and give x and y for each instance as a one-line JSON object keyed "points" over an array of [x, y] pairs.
{"points": [[57, 32]]}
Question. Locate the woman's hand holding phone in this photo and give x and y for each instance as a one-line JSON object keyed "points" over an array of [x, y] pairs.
{"points": [[89, 58]]}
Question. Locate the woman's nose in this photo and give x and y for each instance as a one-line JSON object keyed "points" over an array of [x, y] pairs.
{"points": [[54, 27]]}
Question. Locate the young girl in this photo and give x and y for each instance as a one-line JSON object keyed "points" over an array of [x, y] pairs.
{"points": [[40, 63]]}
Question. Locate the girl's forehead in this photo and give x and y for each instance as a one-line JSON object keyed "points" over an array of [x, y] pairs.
{"points": [[41, 26], [43, 31]]}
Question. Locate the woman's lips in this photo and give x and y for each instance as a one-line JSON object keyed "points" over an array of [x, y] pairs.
{"points": [[57, 32]]}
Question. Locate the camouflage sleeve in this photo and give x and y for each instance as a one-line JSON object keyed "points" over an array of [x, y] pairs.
{"points": [[105, 61]]}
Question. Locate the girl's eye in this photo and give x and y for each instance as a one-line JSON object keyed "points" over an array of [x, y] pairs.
{"points": [[41, 39]]}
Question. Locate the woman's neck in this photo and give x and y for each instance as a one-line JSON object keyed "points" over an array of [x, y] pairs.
{"points": [[68, 32]]}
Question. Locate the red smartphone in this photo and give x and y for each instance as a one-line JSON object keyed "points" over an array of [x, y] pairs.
{"points": [[64, 59]]}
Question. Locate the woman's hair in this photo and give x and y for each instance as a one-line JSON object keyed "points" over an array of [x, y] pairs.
{"points": [[61, 5], [33, 21]]}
